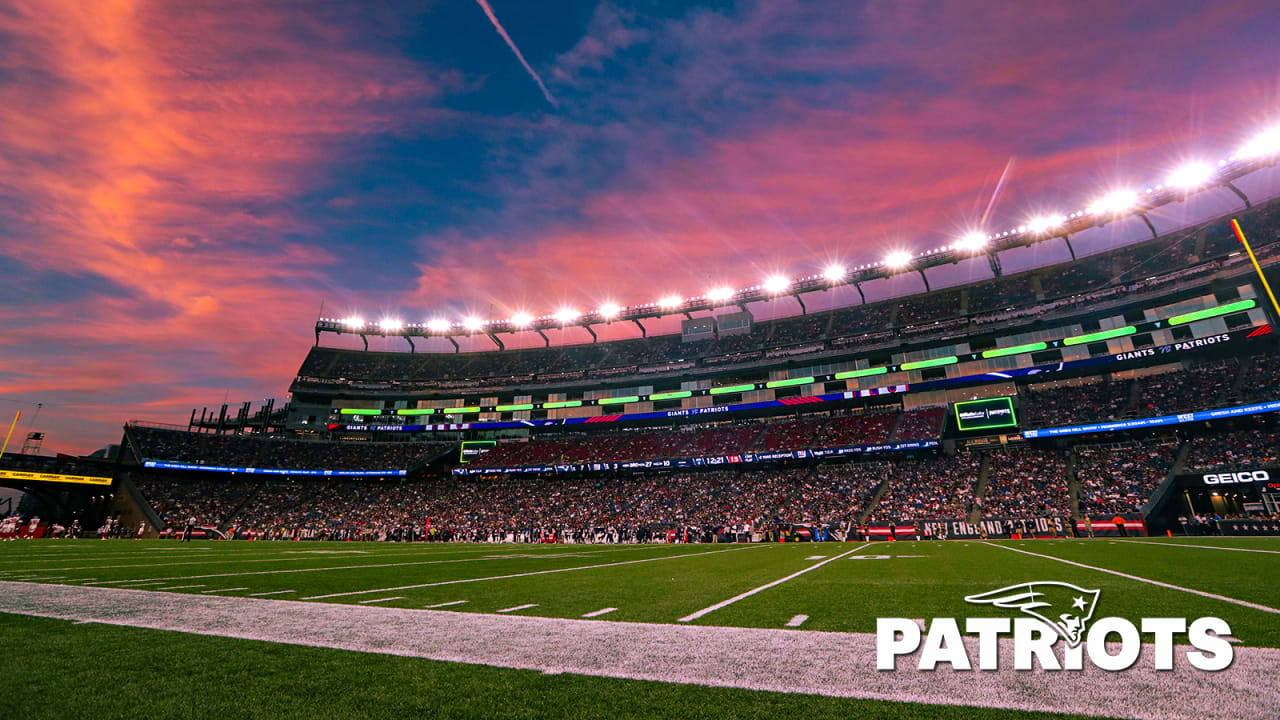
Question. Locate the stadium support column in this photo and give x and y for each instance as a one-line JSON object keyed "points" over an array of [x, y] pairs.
{"points": [[803, 310], [643, 333], [1067, 239], [994, 260], [546, 340], [496, 341], [1154, 235], [366, 341], [317, 336], [456, 349], [926, 280], [412, 348], [594, 338], [860, 293], [1239, 193]]}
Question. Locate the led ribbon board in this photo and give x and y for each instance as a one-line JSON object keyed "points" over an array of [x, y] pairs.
{"points": [[986, 414], [53, 477]]}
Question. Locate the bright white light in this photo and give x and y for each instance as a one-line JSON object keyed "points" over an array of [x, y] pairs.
{"points": [[1189, 177], [834, 273], [1265, 143], [719, 294], [438, 325], [1115, 203], [671, 302], [898, 259], [473, 323], [354, 321], [775, 284], [390, 325], [1045, 223], [972, 242], [566, 315], [522, 319], [609, 310]]}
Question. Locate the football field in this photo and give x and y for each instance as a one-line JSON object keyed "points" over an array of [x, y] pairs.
{"points": [[251, 629]]}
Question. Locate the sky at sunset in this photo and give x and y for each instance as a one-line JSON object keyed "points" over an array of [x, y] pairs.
{"points": [[183, 183]]}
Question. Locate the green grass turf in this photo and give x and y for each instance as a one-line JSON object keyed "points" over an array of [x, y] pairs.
{"points": [[57, 669]]}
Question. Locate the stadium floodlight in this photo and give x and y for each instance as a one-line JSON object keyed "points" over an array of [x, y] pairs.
{"points": [[898, 259], [972, 241], [522, 319], [1192, 176], [671, 302], [1044, 223], [472, 323], [1264, 143], [1114, 203], [720, 294], [438, 325], [776, 284], [834, 272], [390, 325], [609, 310], [565, 315], [354, 321]]}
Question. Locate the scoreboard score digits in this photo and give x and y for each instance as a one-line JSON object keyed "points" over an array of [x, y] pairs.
{"points": [[986, 414]]}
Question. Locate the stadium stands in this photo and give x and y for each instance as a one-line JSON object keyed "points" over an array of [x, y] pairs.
{"points": [[1120, 478], [1044, 406], [1188, 389], [1256, 447], [928, 488], [275, 452], [1026, 483]]}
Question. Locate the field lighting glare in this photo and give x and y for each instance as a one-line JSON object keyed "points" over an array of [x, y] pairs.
{"points": [[1189, 177], [471, 322], [1265, 143], [609, 310], [1045, 223], [1115, 203], [719, 294], [438, 325], [670, 302], [354, 321], [972, 242], [522, 319], [834, 273], [390, 325], [566, 315], [775, 284], [898, 259]]}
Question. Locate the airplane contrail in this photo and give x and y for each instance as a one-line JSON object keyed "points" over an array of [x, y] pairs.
{"points": [[484, 5]]}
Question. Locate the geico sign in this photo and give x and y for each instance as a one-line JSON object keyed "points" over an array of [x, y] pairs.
{"points": [[1248, 476]]}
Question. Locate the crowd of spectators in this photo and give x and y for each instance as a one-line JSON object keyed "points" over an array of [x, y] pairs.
{"points": [[1262, 379], [1191, 389], [210, 501], [1240, 448], [926, 489], [928, 307], [1120, 478], [1044, 406], [258, 451], [921, 424], [1026, 482]]}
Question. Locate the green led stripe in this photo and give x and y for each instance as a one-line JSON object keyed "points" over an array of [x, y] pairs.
{"points": [[460, 410], [788, 383], [359, 411], [1015, 350], [416, 411], [921, 364], [1102, 335], [1212, 312], [514, 408], [733, 389], [851, 374], [561, 404], [618, 400], [676, 395]]}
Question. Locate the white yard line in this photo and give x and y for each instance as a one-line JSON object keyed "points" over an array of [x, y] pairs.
{"points": [[181, 587], [1200, 547], [273, 592], [527, 574], [797, 621], [447, 604], [598, 613], [222, 590], [687, 654], [518, 607], [379, 600], [1157, 583], [766, 586]]}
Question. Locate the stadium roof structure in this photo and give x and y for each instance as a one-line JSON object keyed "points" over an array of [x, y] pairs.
{"points": [[1262, 151]]}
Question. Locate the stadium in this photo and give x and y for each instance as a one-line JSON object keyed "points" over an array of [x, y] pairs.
{"points": [[794, 496]]}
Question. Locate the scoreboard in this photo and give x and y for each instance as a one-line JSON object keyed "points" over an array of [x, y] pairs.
{"points": [[987, 414]]}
